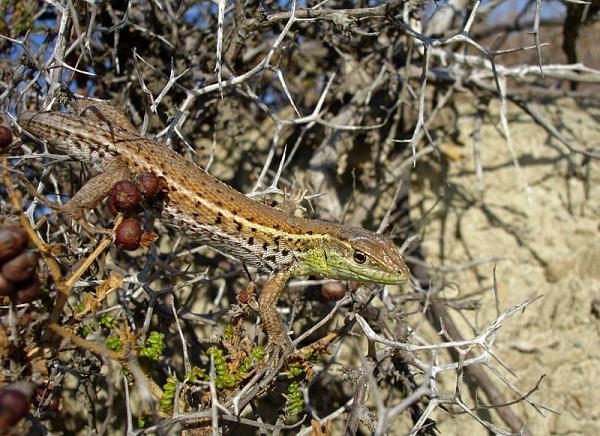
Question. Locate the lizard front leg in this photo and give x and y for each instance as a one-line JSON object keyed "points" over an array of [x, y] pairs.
{"points": [[113, 171], [267, 307], [95, 190]]}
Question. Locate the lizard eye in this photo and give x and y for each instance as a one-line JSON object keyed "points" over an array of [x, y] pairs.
{"points": [[359, 257]]}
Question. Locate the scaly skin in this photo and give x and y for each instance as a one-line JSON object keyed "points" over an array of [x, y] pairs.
{"points": [[213, 213]]}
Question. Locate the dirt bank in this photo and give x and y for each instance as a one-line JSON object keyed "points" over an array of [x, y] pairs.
{"points": [[544, 220]]}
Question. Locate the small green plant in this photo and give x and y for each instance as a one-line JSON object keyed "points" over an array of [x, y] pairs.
{"points": [[143, 420], [169, 389], [154, 346], [85, 330], [295, 400], [228, 332], [224, 377], [257, 354], [196, 374], [295, 371], [113, 342], [107, 321]]}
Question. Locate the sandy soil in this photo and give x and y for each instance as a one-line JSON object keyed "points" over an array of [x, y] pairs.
{"points": [[551, 241]]}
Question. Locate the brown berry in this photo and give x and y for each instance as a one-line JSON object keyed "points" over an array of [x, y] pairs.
{"points": [[125, 196], [6, 137], [13, 239], [14, 405], [333, 291], [6, 287], [129, 234], [149, 185], [28, 291], [21, 267]]}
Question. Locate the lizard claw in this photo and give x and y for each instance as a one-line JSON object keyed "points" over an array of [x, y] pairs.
{"points": [[279, 348], [292, 200]]}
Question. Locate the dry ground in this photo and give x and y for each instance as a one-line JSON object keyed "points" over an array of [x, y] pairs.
{"points": [[551, 242]]}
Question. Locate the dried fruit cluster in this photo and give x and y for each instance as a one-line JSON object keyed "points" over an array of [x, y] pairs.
{"points": [[126, 197], [18, 266]]}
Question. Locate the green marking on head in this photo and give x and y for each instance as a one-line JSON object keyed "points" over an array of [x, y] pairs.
{"points": [[356, 254]]}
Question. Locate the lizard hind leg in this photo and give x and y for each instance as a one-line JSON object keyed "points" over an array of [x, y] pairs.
{"points": [[292, 200], [104, 113]]}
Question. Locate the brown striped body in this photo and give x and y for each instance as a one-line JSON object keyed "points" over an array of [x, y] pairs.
{"points": [[196, 203]]}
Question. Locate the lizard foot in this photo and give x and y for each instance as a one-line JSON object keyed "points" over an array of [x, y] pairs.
{"points": [[292, 200], [279, 348], [76, 213]]}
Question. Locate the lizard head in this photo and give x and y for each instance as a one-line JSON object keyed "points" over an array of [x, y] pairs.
{"points": [[353, 253]]}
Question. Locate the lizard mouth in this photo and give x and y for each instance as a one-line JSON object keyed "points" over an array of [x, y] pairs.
{"points": [[383, 277]]}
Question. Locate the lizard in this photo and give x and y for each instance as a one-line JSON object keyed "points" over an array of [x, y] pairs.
{"points": [[213, 213]]}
